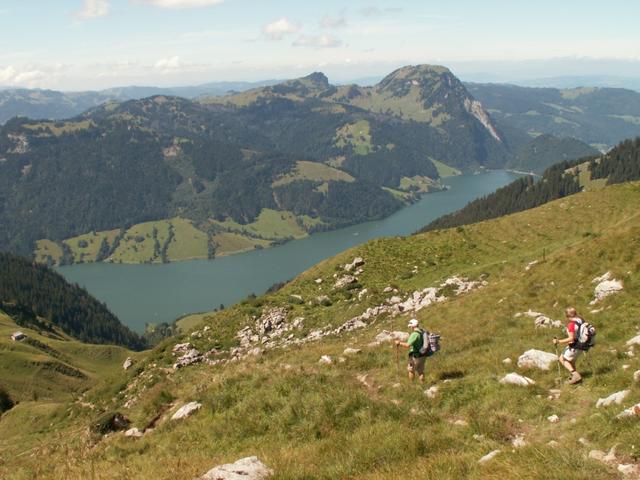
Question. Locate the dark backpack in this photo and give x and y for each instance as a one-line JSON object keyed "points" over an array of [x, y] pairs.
{"points": [[585, 336], [430, 343]]}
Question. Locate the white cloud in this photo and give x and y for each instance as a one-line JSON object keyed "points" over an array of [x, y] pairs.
{"points": [[170, 63], [93, 9], [330, 22], [317, 41], [12, 76], [278, 29], [176, 4], [373, 11]]}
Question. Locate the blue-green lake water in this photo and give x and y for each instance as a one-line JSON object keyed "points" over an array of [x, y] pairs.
{"points": [[138, 294]]}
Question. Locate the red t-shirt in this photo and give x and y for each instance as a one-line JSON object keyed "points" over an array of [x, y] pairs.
{"points": [[572, 328]]}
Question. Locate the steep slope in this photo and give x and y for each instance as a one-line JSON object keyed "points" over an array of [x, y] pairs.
{"points": [[264, 392], [600, 117], [41, 299], [621, 164]]}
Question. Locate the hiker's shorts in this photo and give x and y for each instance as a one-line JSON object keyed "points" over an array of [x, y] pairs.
{"points": [[416, 365], [570, 354]]}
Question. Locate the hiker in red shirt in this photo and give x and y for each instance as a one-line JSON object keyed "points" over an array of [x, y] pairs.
{"points": [[569, 355]]}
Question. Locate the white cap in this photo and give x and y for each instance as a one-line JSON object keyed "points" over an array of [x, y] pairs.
{"points": [[413, 323]]}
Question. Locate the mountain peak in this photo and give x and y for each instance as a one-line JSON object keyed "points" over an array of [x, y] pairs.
{"points": [[317, 78]]}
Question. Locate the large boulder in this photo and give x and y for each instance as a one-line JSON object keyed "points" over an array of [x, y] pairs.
{"points": [[630, 412], [605, 286], [615, 398], [186, 410], [516, 379], [634, 341], [127, 363], [537, 359], [249, 468]]}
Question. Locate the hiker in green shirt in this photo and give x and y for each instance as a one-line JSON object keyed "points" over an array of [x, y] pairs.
{"points": [[414, 344]]}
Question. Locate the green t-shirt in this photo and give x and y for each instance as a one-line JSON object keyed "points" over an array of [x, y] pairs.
{"points": [[415, 343]]}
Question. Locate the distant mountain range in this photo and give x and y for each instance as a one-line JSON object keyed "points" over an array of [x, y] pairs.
{"points": [[167, 178]]}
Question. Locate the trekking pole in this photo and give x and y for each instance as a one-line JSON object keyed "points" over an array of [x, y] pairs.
{"points": [[558, 357], [397, 360]]}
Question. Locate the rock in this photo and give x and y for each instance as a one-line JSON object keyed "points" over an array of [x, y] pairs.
{"points": [[127, 363], [606, 288], [351, 351], [323, 300], [636, 376], [460, 423], [489, 456], [344, 281], [537, 359], [597, 455], [516, 379], [181, 348], [603, 278], [531, 264], [189, 358], [431, 392], [616, 398], [186, 410], [318, 281], [395, 299], [630, 412], [133, 432], [326, 360], [387, 336], [554, 418], [387, 290], [629, 470], [357, 262], [554, 394], [296, 299], [249, 468], [634, 341], [626, 367], [583, 441], [507, 361], [553, 443], [362, 293], [519, 441], [477, 437]]}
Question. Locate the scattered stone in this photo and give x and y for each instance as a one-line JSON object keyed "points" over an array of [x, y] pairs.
{"points": [[636, 376], [519, 441], [133, 432], [583, 441], [540, 319], [186, 410], [296, 299], [460, 423], [553, 443], [554, 394], [634, 341], [127, 363], [357, 262], [597, 455], [323, 300], [18, 336], [516, 379], [630, 412], [554, 418], [605, 286], [629, 470], [507, 361], [615, 398], [249, 468], [489, 456], [325, 360], [189, 358], [318, 281], [531, 264], [431, 392], [537, 359], [477, 437], [344, 281], [362, 293], [351, 351], [387, 290], [626, 366], [395, 299]]}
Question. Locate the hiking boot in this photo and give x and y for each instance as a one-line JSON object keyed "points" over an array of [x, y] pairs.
{"points": [[575, 378]]}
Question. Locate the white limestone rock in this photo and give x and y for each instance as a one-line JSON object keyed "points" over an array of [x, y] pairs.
{"points": [[636, 376], [249, 468], [431, 392], [489, 456], [630, 412], [605, 288], [629, 470], [351, 351], [519, 441], [507, 361], [325, 360], [516, 379], [134, 433], [553, 418], [615, 398], [127, 363], [387, 336], [186, 410], [537, 359], [634, 341]]}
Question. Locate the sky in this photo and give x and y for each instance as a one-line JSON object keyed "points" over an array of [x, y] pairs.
{"points": [[95, 44]]}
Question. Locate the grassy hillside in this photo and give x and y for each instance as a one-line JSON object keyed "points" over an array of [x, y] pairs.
{"points": [[358, 417]]}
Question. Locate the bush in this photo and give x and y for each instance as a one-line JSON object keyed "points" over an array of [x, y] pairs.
{"points": [[5, 401]]}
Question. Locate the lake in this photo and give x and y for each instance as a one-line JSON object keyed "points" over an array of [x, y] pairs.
{"points": [[138, 294]]}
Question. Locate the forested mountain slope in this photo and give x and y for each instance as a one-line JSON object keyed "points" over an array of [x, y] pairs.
{"points": [[41, 299], [621, 164], [299, 154], [272, 376]]}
